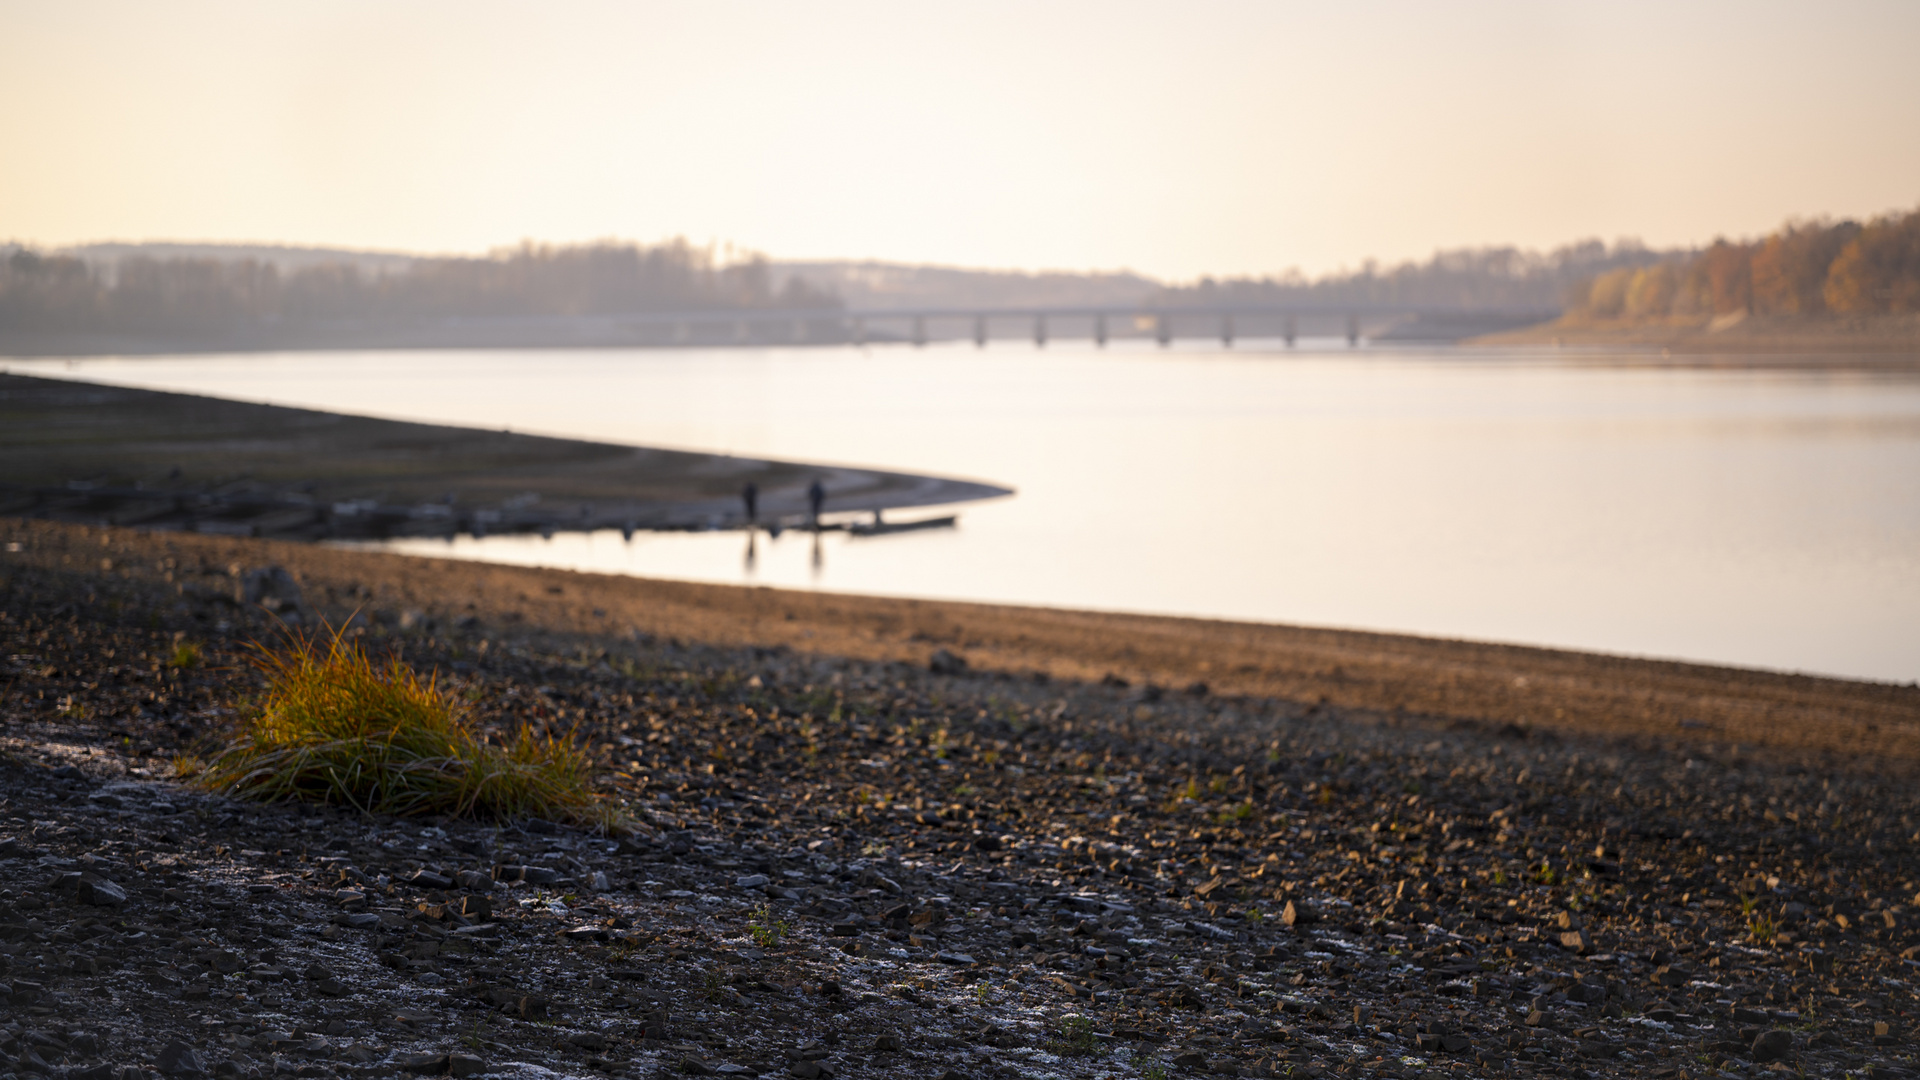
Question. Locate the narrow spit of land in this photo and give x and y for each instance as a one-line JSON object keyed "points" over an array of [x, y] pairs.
{"points": [[86, 452], [881, 839], [1889, 342]]}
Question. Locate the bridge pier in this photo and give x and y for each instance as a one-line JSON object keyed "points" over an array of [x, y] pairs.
{"points": [[1100, 330], [979, 331], [1039, 331]]}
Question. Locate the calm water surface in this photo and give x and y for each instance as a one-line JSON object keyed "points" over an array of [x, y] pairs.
{"points": [[1756, 517]]}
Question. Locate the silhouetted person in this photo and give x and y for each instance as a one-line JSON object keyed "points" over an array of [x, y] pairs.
{"points": [[751, 496], [816, 498]]}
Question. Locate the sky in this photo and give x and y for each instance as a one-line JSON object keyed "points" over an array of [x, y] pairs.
{"points": [[1223, 137]]}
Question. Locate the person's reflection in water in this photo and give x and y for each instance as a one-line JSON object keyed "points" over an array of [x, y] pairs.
{"points": [[751, 554], [819, 558]]}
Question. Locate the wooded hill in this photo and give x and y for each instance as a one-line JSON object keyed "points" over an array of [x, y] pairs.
{"points": [[1809, 268]]}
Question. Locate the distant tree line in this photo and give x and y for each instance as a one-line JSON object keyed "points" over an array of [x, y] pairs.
{"points": [[185, 296], [1805, 268], [1494, 277]]}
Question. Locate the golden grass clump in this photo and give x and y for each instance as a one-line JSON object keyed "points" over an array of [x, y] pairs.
{"points": [[335, 727]]}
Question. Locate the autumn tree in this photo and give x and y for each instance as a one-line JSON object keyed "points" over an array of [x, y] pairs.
{"points": [[1878, 271]]}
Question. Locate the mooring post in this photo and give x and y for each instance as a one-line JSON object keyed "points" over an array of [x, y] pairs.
{"points": [[1353, 331], [1040, 331], [1226, 330], [1163, 329], [859, 331], [919, 330], [1289, 332], [980, 331], [1100, 329]]}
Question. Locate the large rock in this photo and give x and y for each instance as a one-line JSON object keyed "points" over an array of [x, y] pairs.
{"points": [[178, 1059]]}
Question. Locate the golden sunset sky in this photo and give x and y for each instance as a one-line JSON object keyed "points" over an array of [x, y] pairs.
{"points": [[1177, 139]]}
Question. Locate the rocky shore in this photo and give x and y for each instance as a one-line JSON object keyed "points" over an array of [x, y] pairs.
{"points": [[908, 852]]}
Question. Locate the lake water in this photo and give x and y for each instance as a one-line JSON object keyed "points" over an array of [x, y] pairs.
{"points": [[1760, 517]]}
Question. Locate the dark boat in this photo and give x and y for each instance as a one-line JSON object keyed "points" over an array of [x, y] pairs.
{"points": [[879, 527]]}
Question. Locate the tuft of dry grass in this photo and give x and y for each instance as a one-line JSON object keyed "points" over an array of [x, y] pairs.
{"points": [[336, 727]]}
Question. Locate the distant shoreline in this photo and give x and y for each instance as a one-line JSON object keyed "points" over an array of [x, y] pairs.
{"points": [[1896, 335]]}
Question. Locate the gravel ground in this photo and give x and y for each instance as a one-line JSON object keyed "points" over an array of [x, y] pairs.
{"points": [[859, 867]]}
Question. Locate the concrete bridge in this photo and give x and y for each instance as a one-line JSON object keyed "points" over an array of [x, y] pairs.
{"points": [[920, 325]]}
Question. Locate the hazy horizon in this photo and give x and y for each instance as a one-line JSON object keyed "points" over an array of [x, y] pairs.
{"points": [[1226, 138]]}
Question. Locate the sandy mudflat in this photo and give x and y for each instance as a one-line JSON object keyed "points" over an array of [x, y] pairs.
{"points": [[1664, 702]]}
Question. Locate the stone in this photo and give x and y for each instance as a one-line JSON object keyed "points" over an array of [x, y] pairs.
{"points": [[1576, 941], [178, 1059], [751, 881], [1772, 1046], [271, 587], [465, 1065], [101, 893], [475, 880], [886, 1044], [427, 879], [957, 958], [946, 662], [588, 1040], [421, 1064], [1298, 913], [532, 875]]}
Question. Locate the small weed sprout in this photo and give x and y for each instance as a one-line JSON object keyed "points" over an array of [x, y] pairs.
{"points": [[1747, 904], [1155, 1071], [186, 656], [768, 929], [1076, 1036]]}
